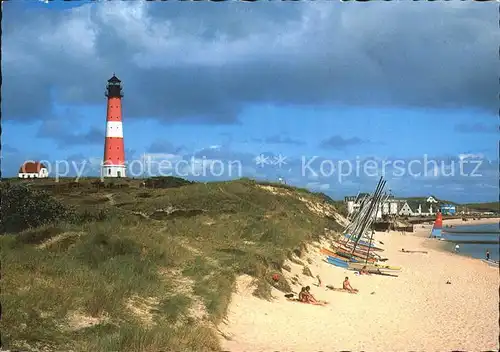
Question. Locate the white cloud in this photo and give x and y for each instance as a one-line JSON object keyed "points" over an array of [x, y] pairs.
{"points": [[470, 156], [161, 156]]}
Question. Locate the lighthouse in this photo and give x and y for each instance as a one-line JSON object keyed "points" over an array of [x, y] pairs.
{"points": [[114, 151]]}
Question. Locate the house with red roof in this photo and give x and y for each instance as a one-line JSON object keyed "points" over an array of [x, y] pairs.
{"points": [[33, 169]]}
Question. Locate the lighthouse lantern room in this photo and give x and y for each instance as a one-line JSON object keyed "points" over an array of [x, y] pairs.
{"points": [[114, 152]]}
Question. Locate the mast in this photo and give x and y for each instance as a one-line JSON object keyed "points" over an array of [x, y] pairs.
{"points": [[375, 197], [371, 237]]}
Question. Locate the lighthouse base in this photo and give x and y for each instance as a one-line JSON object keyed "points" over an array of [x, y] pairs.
{"points": [[115, 171]]}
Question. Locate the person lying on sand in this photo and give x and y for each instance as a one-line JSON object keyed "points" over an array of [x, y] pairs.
{"points": [[364, 271], [346, 285], [405, 251]]}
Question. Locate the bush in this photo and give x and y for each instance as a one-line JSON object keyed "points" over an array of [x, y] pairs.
{"points": [[24, 207], [166, 182], [89, 216], [38, 235]]}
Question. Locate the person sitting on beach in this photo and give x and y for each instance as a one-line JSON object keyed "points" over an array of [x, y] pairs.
{"points": [[346, 285], [310, 297], [303, 295], [306, 296], [364, 271]]}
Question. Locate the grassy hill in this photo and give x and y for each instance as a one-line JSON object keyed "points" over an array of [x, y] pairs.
{"points": [[128, 268], [492, 206], [423, 200]]}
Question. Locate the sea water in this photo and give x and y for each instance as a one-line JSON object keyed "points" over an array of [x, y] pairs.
{"points": [[476, 250]]}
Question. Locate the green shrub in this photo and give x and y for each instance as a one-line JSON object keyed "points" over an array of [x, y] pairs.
{"points": [[166, 182], [38, 235], [24, 207], [88, 216]]}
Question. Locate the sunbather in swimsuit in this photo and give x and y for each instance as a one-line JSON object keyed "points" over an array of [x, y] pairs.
{"points": [[303, 295], [306, 297], [347, 286], [364, 271], [310, 297]]}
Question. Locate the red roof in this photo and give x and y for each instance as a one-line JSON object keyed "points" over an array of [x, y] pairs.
{"points": [[31, 167]]}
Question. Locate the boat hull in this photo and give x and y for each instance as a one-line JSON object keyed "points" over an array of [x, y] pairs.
{"points": [[491, 263], [375, 266], [359, 257], [337, 262], [358, 252], [345, 256], [362, 248], [364, 244]]}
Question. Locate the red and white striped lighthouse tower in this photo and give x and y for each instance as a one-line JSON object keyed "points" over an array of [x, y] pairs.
{"points": [[114, 151]]}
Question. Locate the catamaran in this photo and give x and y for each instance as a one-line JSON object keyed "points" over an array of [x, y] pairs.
{"points": [[351, 251], [490, 262], [438, 227]]}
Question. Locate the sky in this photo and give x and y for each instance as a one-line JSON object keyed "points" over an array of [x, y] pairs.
{"points": [[324, 95]]}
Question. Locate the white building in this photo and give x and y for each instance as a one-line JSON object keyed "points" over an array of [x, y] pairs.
{"points": [[393, 207], [406, 210], [353, 203], [396, 207], [33, 169], [431, 199], [415, 208], [388, 207]]}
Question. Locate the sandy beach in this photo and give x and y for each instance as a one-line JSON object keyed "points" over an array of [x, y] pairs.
{"points": [[460, 222], [423, 230], [415, 311]]}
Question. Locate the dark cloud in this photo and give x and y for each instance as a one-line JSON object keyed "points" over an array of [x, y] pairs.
{"points": [[65, 137], [181, 62], [477, 128], [339, 142], [164, 147]]}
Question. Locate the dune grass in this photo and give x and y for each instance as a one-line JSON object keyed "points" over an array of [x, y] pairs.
{"points": [[155, 272]]}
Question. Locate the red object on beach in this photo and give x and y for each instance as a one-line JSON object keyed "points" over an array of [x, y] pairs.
{"points": [[276, 277], [439, 221]]}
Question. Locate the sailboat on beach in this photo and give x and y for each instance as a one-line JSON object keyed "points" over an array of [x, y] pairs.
{"points": [[350, 251], [438, 226]]}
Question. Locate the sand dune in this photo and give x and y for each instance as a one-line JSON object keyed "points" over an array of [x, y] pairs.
{"points": [[415, 311]]}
